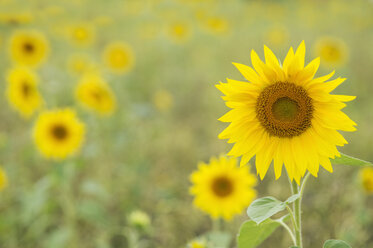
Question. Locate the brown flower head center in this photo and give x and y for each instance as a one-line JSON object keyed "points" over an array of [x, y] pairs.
{"points": [[284, 109], [60, 132], [222, 186], [26, 89], [28, 47]]}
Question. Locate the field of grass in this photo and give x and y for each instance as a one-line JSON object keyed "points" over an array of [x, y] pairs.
{"points": [[139, 156]]}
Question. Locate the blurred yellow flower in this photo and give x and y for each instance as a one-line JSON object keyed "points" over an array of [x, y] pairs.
{"points": [[366, 176], [28, 47], [3, 179], [221, 188], [163, 100], [332, 51], [16, 18], [22, 92], [217, 25], [179, 32], [277, 36], [118, 57], [95, 94], [196, 244], [82, 34], [284, 114], [58, 133], [139, 219], [80, 64]]}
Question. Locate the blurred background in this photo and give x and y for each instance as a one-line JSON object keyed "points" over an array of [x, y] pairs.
{"points": [[127, 186]]}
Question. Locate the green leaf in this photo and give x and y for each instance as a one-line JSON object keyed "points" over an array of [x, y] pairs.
{"points": [[348, 160], [263, 208], [251, 234], [332, 243]]}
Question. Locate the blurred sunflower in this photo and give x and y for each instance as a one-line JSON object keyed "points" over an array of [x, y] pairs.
{"points": [[196, 244], [3, 179], [82, 34], [221, 188], [179, 32], [284, 114], [163, 100], [366, 176], [28, 47], [80, 64], [58, 133], [94, 93], [277, 35], [217, 25], [16, 18], [332, 51], [22, 92], [119, 57]]}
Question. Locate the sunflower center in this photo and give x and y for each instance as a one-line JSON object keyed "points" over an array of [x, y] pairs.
{"points": [[59, 132], [284, 109], [28, 47], [222, 186], [26, 89]]}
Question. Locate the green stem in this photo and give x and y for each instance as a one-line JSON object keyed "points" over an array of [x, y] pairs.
{"points": [[297, 215], [289, 231]]}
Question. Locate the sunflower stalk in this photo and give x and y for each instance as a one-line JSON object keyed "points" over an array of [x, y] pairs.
{"points": [[296, 213]]}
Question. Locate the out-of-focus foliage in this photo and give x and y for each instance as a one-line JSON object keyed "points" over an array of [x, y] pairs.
{"points": [[138, 157]]}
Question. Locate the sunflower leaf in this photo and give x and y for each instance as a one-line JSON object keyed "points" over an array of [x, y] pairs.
{"points": [[292, 198], [348, 160], [263, 208], [251, 234], [332, 243]]}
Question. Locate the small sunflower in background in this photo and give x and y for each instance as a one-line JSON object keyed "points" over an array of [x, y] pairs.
{"points": [[366, 177], [119, 57], [197, 244], [332, 51], [82, 34], [95, 94], [3, 179], [179, 32], [163, 100], [285, 115], [29, 47], [222, 189], [22, 91], [79, 64], [58, 133], [277, 36], [216, 25]]}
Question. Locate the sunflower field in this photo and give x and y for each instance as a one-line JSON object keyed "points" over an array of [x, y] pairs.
{"points": [[181, 123]]}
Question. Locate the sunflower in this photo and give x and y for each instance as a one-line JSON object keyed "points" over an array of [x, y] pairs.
{"points": [[29, 47], [284, 114], [217, 25], [22, 91], [82, 34], [196, 244], [79, 64], [366, 176], [332, 51], [221, 188], [3, 179], [179, 32], [94, 93], [118, 57], [58, 133]]}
